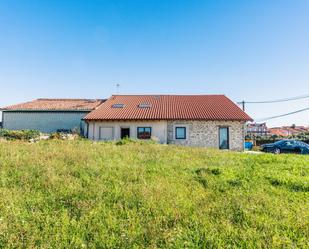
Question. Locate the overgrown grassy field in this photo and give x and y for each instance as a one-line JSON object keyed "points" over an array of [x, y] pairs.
{"points": [[80, 194]]}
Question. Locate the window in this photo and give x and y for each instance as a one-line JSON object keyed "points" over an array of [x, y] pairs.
{"points": [[117, 105], [143, 132], [224, 138], [180, 132], [106, 133], [144, 105], [289, 143]]}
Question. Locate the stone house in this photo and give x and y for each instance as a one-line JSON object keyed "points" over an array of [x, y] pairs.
{"points": [[49, 115], [194, 120]]}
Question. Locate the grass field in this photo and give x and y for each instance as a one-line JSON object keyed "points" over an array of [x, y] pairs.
{"points": [[80, 194]]}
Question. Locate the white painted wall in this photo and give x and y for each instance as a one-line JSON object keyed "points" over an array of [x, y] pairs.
{"points": [[159, 129], [43, 121]]}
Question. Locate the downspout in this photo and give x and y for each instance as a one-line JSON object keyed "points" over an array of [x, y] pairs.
{"points": [[93, 130], [2, 120], [243, 135], [87, 135]]}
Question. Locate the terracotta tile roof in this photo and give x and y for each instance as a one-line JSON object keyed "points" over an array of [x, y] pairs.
{"points": [[285, 131], [57, 105], [168, 107]]}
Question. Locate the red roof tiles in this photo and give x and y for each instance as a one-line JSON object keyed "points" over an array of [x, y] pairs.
{"points": [[57, 105], [285, 131], [169, 107]]}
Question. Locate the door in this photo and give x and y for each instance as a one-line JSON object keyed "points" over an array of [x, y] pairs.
{"points": [[106, 133], [224, 143], [125, 133]]}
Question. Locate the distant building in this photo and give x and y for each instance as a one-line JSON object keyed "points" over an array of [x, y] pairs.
{"points": [[49, 115], [285, 131], [256, 129]]}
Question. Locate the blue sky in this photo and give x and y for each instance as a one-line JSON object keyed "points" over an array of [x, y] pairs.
{"points": [[252, 50]]}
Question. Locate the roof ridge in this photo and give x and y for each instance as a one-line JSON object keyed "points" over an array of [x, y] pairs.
{"points": [[68, 99], [185, 95], [56, 104]]}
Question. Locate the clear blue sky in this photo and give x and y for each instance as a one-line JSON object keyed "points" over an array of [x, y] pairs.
{"points": [[250, 49]]}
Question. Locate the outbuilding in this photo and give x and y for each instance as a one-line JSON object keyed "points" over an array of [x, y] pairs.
{"points": [[49, 115]]}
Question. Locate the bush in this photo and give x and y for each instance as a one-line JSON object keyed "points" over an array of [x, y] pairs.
{"points": [[125, 141], [128, 140], [19, 134], [55, 135], [64, 136]]}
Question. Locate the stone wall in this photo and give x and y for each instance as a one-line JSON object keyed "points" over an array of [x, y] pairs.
{"points": [[206, 133]]}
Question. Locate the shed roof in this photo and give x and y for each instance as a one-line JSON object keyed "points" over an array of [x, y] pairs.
{"points": [[56, 105], [168, 107]]}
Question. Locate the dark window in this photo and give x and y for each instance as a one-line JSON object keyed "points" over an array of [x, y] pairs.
{"points": [[180, 132], [125, 133], [224, 138], [144, 105], [117, 105], [143, 132]]}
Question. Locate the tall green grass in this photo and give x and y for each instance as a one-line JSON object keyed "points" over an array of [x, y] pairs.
{"points": [[82, 194]]}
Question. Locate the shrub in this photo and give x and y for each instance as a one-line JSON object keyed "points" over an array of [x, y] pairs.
{"points": [[125, 141], [55, 135], [76, 131], [128, 140], [19, 134], [64, 136]]}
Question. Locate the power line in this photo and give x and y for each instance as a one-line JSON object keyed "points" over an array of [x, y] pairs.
{"points": [[275, 100], [283, 115]]}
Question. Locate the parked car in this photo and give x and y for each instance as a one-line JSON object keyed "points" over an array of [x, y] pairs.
{"points": [[286, 146]]}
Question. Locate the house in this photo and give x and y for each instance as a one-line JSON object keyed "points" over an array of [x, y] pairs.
{"points": [[194, 120], [256, 129], [49, 115], [285, 131]]}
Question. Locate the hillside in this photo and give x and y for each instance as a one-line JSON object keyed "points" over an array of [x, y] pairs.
{"points": [[74, 194]]}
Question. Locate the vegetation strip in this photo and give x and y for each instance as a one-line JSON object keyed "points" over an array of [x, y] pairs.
{"points": [[74, 194]]}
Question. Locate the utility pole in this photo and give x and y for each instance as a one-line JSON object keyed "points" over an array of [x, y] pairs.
{"points": [[243, 105]]}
